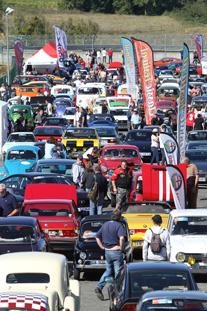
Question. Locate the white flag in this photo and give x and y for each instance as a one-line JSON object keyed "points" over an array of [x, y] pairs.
{"points": [[61, 45], [170, 147], [177, 185]]}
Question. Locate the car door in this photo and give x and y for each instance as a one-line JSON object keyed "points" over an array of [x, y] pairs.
{"points": [[23, 181], [119, 289]]}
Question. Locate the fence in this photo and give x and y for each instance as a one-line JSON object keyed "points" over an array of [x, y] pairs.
{"points": [[13, 73]]}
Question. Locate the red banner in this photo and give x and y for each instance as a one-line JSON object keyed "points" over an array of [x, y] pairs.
{"points": [[19, 48], [146, 71]]}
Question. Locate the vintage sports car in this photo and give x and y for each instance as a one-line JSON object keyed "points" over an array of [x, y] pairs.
{"points": [[102, 119], [42, 133], [107, 135], [41, 273], [27, 113], [19, 138]]}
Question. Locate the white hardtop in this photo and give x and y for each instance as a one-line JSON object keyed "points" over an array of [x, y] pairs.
{"points": [[62, 86], [188, 212], [169, 85]]}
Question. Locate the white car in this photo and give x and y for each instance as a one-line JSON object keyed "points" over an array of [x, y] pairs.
{"points": [[43, 273], [120, 115], [188, 237]]}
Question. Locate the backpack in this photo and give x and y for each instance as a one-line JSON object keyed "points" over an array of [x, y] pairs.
{"points": [[93, 193], [156, 243]]}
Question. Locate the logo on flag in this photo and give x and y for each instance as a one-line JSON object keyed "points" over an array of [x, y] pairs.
{"points": [[170, 146], [176, 180]]}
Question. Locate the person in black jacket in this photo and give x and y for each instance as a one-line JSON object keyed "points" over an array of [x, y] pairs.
{"points": [[102, 186]]}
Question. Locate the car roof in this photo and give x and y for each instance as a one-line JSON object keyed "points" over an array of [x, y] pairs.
{"points": [[22, 133], [28, 147], [33, 174], [142, 130], [105, 217], [189, 212], [56, 161], [156, 266], [175, 294], [189, 151], [49, 126], [20, 220], [119, 147], [20, 106]]}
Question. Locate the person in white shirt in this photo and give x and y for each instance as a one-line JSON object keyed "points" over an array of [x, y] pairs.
{"points": [[77, 82], [98, 57], [135, 120], [163, 128], [155, 146], [103, 52], [49, 108], [77, 117]]}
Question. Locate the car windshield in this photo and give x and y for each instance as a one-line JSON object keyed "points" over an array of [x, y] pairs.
{"points": [[106, 132], [144, 281], [189, 225], [52, 180], [197, 146], [21, 138], [88, 91], [139, 135], [21, 155], [47, 131], [178, 304], [119, 112], [63, 91], [65, 169], [47, 209], [58, 122], [101, 118], [16, 234], [63, 103], [148, 209], [19, 110], [120, 153], [192, 136], [197, 156], [69, 112], [27, 278], [80, 133]]}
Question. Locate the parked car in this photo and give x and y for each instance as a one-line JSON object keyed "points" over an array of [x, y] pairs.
{"points": [[198, 135], [42, 133], [62, 90], [120, 116], [57, 166], [87, 254], [42, 273], [199, 158], [102, 119], [22, 234], [135, 279], [61, 104], [57, 121], [166, 61], [197, 145], [107, 135], [27, 114]]}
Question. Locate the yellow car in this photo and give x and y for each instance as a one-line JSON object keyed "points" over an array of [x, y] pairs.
{"points": [[55, 79], [79, 139], [139, 217]]}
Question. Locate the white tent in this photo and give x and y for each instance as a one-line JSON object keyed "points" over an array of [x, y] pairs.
{"points": [[3, 123]]}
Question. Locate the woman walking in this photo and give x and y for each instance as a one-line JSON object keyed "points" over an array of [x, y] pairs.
{"points": [[155, 146]]}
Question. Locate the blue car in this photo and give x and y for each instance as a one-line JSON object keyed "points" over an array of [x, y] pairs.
{"points": [[19, 159], [102, 119], [61, 104]]}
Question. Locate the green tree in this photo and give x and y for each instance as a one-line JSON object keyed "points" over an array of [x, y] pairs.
{"points": [[123, 6]]}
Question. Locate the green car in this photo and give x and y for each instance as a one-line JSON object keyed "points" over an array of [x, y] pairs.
{"points": [[27, 113]]}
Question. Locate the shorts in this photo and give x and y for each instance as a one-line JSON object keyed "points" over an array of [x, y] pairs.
{"points": [[122, 197]]}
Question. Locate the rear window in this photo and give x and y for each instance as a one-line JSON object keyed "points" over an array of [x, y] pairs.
{"points": [[80, 133], [47, 209], [106, 132], [21, 155], [19, 278], [120, 153], [59, 122], [151, 209], [16, 234], [48, 131], [139, 136], [18, 110], [89, 91], [65, 169], [21, 138]]}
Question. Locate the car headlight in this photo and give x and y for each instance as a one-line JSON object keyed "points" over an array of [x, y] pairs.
{"points": [[117, 120], [3, 174], [82, 255], [191, 261], [104, 169], [180, 257]]}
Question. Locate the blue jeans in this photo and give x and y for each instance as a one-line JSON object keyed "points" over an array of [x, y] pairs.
{"points": [[114, 263], [98, 203], [163, 156], [155, 155]]}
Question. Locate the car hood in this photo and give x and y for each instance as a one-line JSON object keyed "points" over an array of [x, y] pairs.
{"points": [[144, 146], [90, 247], [137, 221], [189, 243], [16, 166]]}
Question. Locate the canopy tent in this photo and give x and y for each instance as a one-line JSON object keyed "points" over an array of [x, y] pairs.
{"points": [[45, 58]]}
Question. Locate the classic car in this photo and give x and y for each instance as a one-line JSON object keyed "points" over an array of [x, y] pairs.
{"points": [[61, 104], [55, 206], [135, 279], [176, 300], [32, 273], [120, 115], [199, 102], [21, 79], [86, 93], [166, 61], [19, 159], [22, 234], [199, 158], [69, 114], [87, 254], [198, 135], [57, 166], [107, 135], [19, 138], [169, 89], [188, 238], [197, 145], [139, 218], [42, 133], [27, 91], [112, 156], [54, 79], [62, 91], [40, 85], [80, 139], [102, 119], [27, 113], [191, 66], [23, 301], [57, 121]]}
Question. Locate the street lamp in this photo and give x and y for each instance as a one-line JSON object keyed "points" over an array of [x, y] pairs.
{"points": [[8, 11]]}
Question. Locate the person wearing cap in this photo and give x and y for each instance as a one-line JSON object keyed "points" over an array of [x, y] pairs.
{"points": [[167, 120], [198, 122], [111, 238], [102, 190], [155, 146], [163, 129], [135, 120], [164, 254], [78, 170], [155, 120]]}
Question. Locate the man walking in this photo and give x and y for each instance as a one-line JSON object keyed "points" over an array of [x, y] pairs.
{"points": [[156, 237], [8, 202], [111, 238], [163, 129]]}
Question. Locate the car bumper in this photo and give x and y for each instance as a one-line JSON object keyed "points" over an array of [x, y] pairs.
{"points": [[91, 265], [64, 244], [198, 268]]}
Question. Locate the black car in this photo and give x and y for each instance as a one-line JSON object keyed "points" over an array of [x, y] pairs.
{"points": [[135, 279], [197, 145], [197, 135], [199, 158], [22, 234], [87, 254], [16, 184], [57, 121]]}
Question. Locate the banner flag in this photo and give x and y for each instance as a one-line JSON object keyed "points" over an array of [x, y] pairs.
{"points": [[19, 49], [182, 103], [61, 45], [146, 71], [199, 45], [129, 66], [171, 148], [177, 185], [135, 63]]}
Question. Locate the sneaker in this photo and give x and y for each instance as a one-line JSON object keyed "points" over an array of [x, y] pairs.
{"points": [[99, 293]]}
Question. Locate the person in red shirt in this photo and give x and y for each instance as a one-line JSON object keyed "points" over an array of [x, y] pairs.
{"points": [[190, 120], [83, 64], [110, 54]]}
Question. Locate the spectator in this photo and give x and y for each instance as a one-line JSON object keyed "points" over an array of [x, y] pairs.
{"points": [[194, 91], [83, 117], [103, 52], [89, 172], [155, 146], [102, 190], [98, 56], [21, 123], [49, 108], [155, 120], [167, 120], [2, 90], [19, 100], [122, 56], [111, 238], [121, 73], [8, 202], [93, 55], [27, 102], [164, 254], [129, 116], [198, 122], [110, 54], [190, 118], [77, 116], [78, 170], [135, 120], [39, 119], [51, 148], [192, 183], [163, 129]]}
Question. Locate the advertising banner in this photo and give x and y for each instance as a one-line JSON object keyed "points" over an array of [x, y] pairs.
{"points": [[182, 103], [171, 148], [19, 49], [199, 45], [129, 67], [146, 71], [61, 45], [135, 63], [177, 185]]}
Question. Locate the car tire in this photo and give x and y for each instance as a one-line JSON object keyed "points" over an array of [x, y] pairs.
{"points": [[76, 274], [113, 200]]}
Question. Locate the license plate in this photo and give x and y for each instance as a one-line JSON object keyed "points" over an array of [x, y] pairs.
{"points": [[145, 154], [122, 126], [138, 243], [202, 179], [98, 262], [104, 141], [53, 232]]}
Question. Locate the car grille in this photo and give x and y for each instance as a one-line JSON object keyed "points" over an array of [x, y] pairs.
{"points": [[198, 257], [95, 255]]}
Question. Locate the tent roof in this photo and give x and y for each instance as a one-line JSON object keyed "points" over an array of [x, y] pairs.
{"points": [[41, 58], [49, 49]]}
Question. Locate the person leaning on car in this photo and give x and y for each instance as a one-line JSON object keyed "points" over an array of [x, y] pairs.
{"points": [[192, 183], [8, 202], [121, 183]]}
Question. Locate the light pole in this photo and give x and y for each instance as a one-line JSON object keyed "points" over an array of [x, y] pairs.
{"points": [[8, 11]]}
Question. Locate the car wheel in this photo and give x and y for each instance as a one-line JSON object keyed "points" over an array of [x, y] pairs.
{"points": [[76, 274], [113, 200]]}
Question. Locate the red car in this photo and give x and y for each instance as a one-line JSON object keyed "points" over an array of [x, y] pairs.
{"points": [[166, 61], [198, 68], [55, 207], [42, 133], [112, 156], [167, 104]]}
